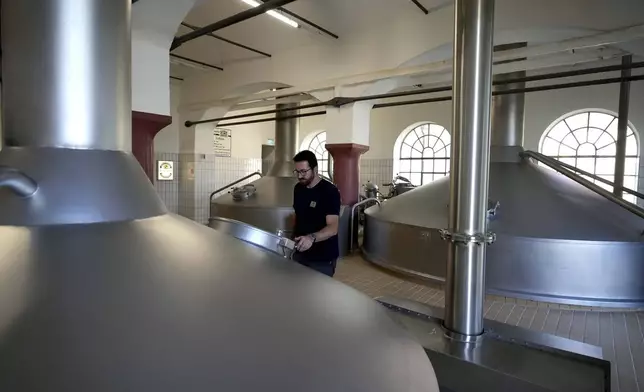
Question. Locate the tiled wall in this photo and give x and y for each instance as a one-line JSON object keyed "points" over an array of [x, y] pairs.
{"points": [[191, 198], [196, 176]]}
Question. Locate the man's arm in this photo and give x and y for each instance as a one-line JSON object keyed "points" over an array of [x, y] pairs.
{"points": [[332, 211]]}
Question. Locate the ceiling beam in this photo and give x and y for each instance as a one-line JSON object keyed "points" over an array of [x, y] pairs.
{"points": [[420, 6], [305, 21], [231, 20], [226, 40], [196, 62]]}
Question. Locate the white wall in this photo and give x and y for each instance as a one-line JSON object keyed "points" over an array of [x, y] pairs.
{"points": [[167, 140]]}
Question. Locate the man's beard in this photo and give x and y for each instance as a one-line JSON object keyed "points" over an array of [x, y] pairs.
{"points": [[305, 181]]}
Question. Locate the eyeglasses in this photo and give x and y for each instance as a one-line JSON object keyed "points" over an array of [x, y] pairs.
{"points": [[301, 172]]}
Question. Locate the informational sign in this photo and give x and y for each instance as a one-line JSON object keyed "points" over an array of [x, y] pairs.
{"points": [[270, 142], [222, 141], [165, 170]]}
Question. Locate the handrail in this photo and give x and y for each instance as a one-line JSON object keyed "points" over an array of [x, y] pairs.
{"points": [[556, 165], [223, 188], [353, 209], [598, 178]]}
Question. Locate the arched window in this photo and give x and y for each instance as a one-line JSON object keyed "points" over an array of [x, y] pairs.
{"points": [[422, 153], [318, 146], [587, 140]]}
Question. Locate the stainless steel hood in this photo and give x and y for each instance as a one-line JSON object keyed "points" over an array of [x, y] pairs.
{"points": [[556, 240], [102, 290]]}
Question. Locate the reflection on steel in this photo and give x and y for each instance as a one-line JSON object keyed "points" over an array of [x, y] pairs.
{"points": [[469, 167], [622, 126], [505, 358], [276, 243], [17, 182], [554, 164], [95, 270], [223, 188], [352, 227]]}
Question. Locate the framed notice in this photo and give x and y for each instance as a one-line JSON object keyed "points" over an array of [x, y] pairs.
{"points": [[165, 170], [222, 142]]}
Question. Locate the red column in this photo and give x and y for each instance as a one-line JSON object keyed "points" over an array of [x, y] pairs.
{"points": [[145, 126], [346, 169]]}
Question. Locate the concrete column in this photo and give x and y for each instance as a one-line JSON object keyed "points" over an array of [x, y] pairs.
{"points": [[347, 129]]}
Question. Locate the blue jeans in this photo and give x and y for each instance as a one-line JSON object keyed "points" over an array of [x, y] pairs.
{"points": [[325, 267]]}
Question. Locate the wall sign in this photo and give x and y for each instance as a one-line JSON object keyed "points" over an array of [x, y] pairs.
{"points": [[222, 141], [165, 170]]}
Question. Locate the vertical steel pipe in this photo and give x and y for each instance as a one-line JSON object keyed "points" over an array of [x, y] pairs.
{"points": [[508, 109], [66, 73], [286, 130], [622, 126], [474, 26]]}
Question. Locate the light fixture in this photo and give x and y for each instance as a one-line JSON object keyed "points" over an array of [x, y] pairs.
{"points": [[275, 14]]}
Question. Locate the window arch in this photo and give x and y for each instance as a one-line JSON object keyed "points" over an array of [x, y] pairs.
{"points": [[587, 140], [422, 153], [317, 144]]}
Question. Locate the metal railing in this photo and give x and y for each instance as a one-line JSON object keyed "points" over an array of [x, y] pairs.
{"points": [[223, 188], [562, 168], [353, 212]]}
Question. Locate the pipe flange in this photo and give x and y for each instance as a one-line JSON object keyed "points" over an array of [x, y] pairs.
{"points": [[464, 238]]}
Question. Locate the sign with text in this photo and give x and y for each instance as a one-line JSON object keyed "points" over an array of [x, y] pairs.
{"points": [[222, 141], [165, 171]]}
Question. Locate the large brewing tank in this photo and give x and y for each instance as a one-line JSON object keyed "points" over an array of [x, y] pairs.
{"points": [[102, 290], [270, 208], [556, 240]]}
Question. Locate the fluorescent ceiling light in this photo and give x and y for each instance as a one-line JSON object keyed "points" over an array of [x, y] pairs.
{"points": [[274, 14]]}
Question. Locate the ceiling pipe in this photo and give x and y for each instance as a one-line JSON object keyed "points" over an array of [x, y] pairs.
{"points": [[286, 133], [231, 20], [504, 81], [196, 62], [590, 41], [226, 40]]}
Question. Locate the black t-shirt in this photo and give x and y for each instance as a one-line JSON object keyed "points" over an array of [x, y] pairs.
{"points": [[312, 205]]}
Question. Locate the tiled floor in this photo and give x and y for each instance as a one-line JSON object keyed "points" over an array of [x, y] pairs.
{"points": [[619, 333]]}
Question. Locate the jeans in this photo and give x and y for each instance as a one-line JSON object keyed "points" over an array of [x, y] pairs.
{"points": [[325, 267]]}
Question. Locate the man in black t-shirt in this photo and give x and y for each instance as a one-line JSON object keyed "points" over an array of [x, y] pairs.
{"points": [[317, 210]]}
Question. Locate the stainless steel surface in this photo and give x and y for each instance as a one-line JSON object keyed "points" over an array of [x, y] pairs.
{"points": [[508, 111], [17, 182], [267, 157], [286, 131], [469, 165], [352, 227], [223, 188], [165, 304], [546, 227], [554, 164], [505, 358], [596, 177], [78, 186], [58, 89], [276, 243], [141, 300], [622, 126]]}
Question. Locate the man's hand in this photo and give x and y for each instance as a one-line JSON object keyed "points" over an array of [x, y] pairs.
{"points": [[303, 243]]}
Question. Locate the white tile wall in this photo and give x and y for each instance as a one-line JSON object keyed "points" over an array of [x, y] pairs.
{"points": [[378, 171]]}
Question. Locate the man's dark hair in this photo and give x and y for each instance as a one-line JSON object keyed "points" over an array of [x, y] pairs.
{"points": [[308, 156]]}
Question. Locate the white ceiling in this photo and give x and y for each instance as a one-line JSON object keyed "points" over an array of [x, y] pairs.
{"points": [[269, 35]]}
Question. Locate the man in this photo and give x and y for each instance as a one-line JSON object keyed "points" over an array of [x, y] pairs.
{"points": [[317, 210]]}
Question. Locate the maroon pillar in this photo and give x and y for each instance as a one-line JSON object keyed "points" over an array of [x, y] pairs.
{"points": [[145, 126], [346, 169]]}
